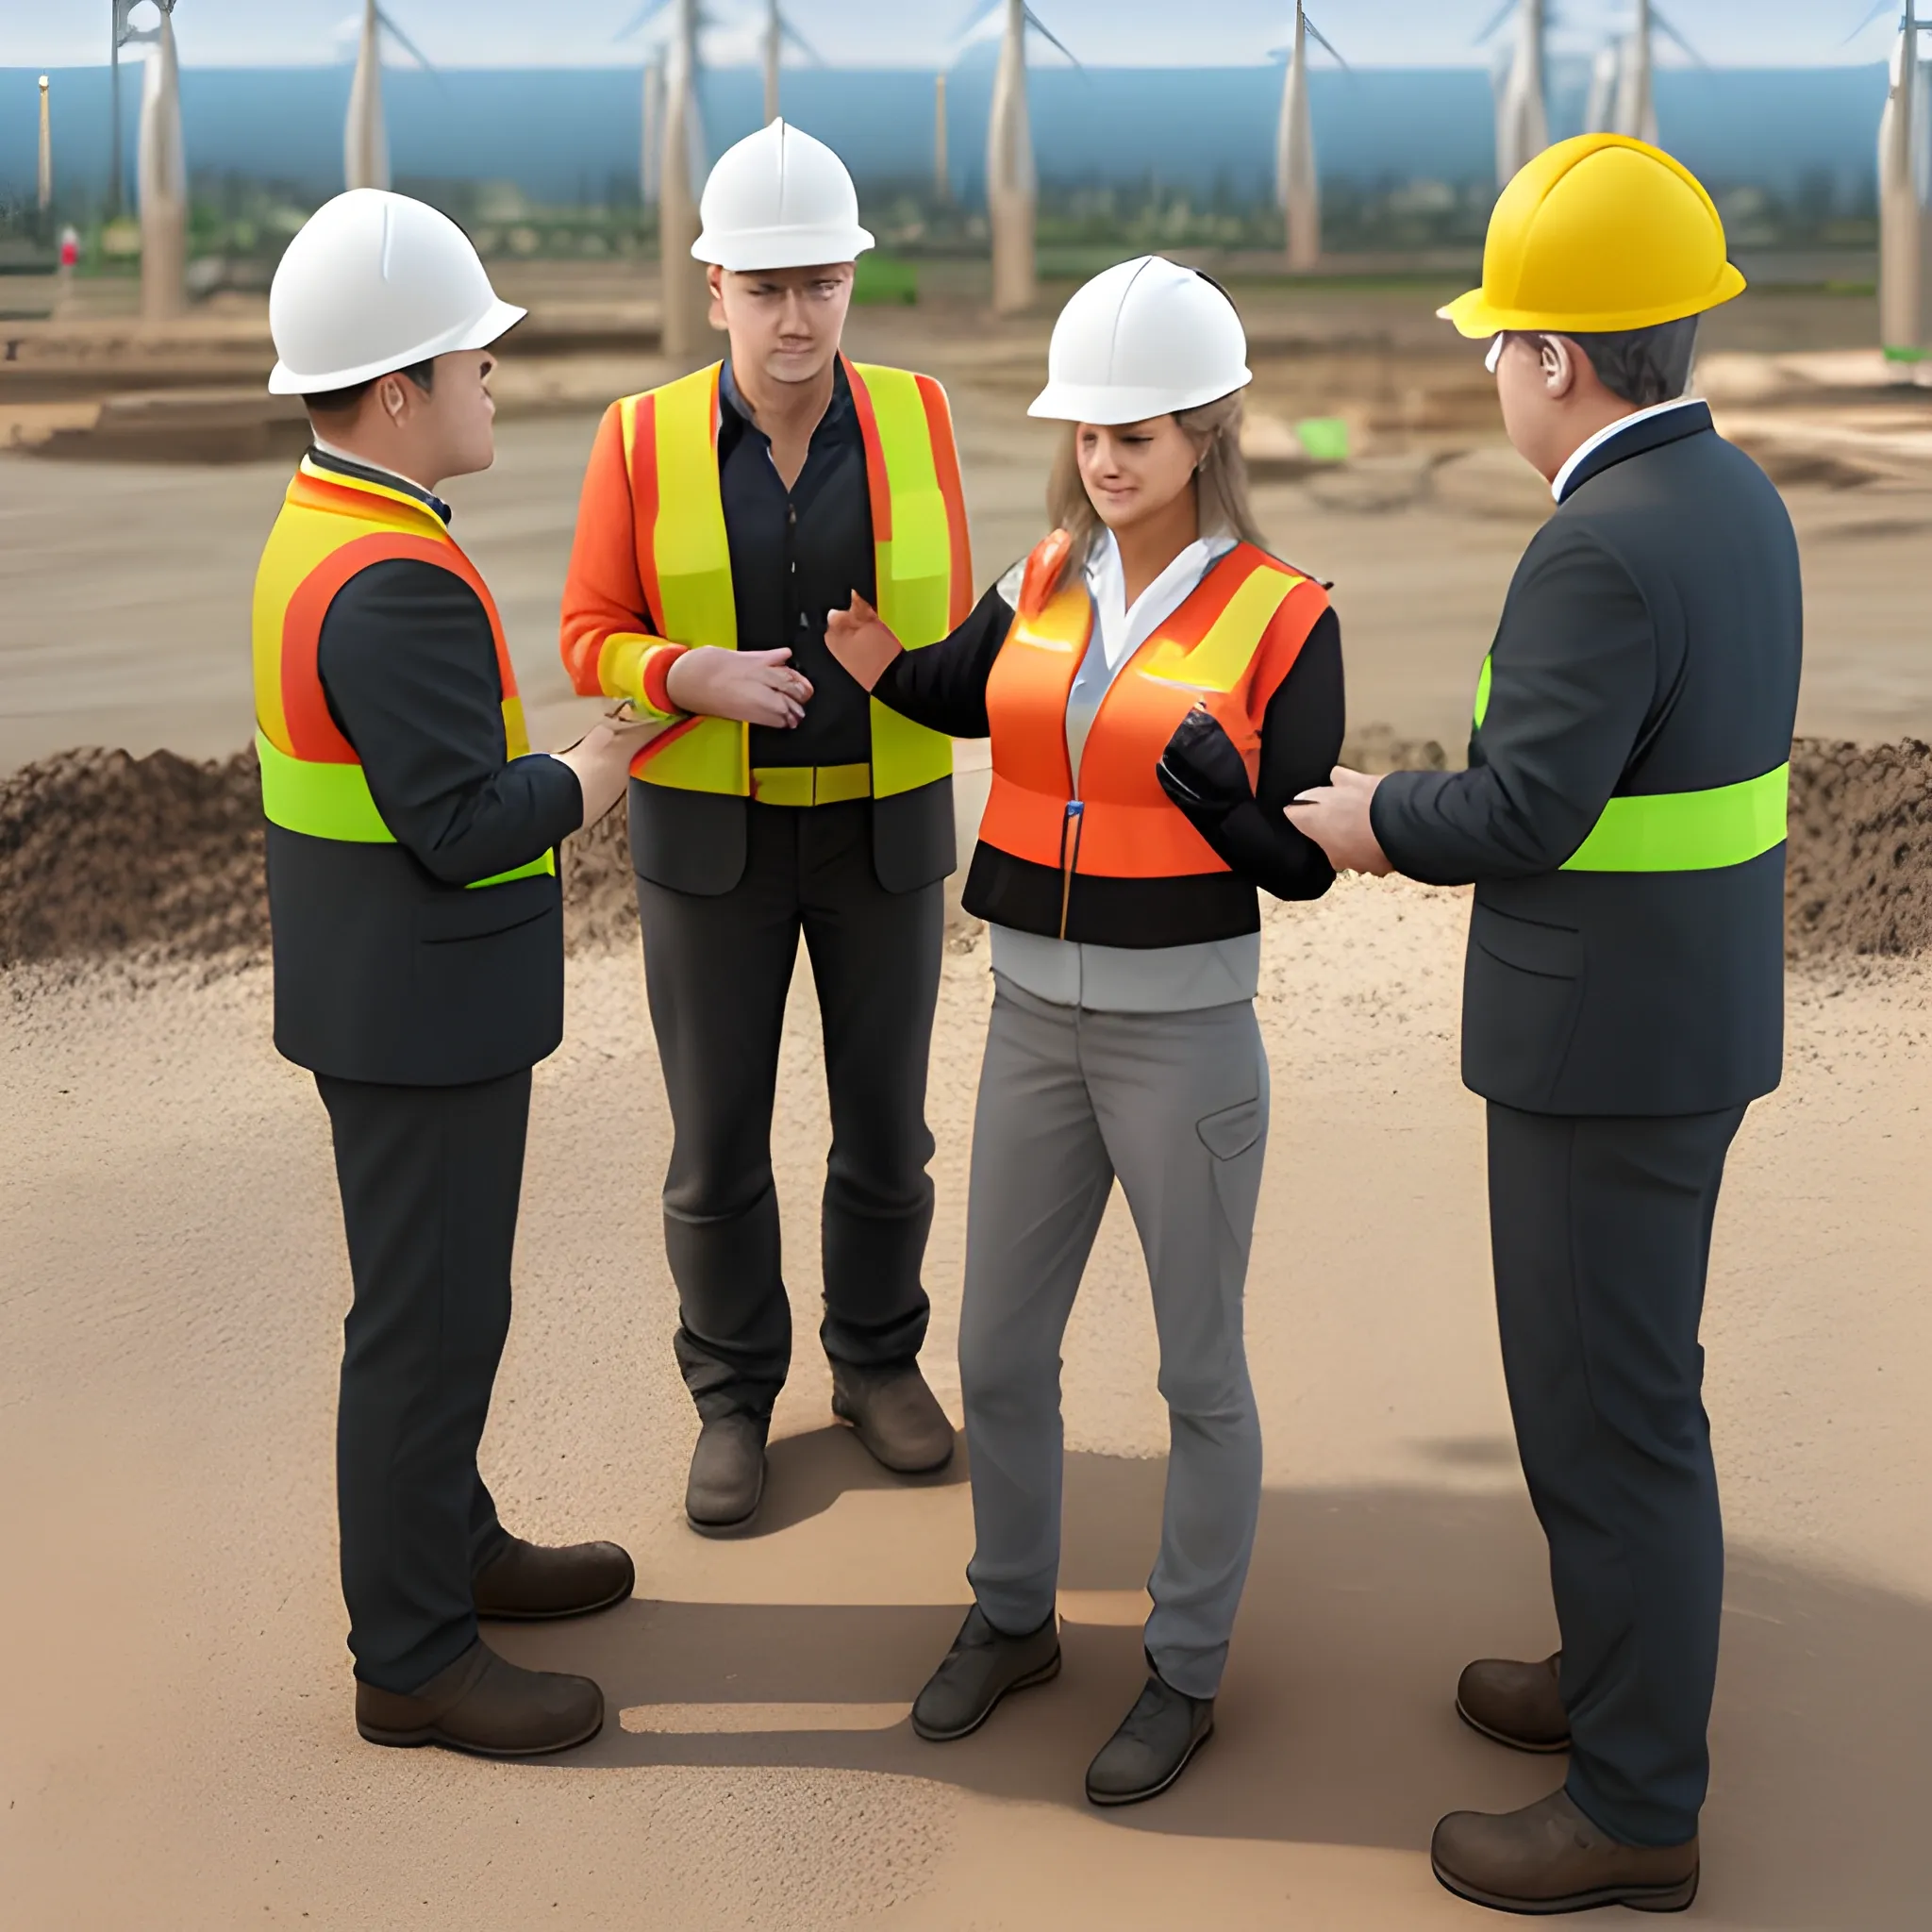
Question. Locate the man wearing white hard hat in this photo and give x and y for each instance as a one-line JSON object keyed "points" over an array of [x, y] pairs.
{"points": [[418, 933], [1156, 687], [723, 517]]}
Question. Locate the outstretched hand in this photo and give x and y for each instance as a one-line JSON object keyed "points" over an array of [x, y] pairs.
{"points": [[858, 638], [1336, 817], [759, 687]]}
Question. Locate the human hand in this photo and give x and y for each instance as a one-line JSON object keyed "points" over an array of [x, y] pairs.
{"points": [[758, 687], [600, 759], [1336, 817], [858, 638], [1201, 765]]}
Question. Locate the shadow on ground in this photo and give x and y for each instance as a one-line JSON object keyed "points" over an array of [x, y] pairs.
{"points": [[1335, 1724]]}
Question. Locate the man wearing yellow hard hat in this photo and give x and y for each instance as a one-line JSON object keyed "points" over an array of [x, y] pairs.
{"points": [[1622, 821]]}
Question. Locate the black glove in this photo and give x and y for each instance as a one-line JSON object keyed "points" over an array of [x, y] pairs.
{"points": [[1201, 770]]}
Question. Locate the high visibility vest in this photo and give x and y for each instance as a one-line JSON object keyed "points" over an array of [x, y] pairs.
{"points": [[331, 526], [920, 546], [1702, 831], [1229, 646]]}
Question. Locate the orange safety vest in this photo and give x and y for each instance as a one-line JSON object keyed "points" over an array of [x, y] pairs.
{"points": [[331, 526], [1229, 646], [921, 549]]}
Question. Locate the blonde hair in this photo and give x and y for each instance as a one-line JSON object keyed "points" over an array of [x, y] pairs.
{"points": [[1220, 482]]}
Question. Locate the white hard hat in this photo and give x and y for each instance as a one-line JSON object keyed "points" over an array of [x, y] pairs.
{"points": [[779, 199], [1143, 338], [373, 283]]}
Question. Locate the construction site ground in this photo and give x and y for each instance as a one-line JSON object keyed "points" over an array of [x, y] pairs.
{"points": [[178, 1750]]}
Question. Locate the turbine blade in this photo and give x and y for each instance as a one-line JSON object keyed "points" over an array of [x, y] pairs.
{"points": [[799, 41], [1883, 7], [1670, 33], [976, 16], [648, 11], [1322, 40], [408, 45], [1502, 13], [1046, 33]]}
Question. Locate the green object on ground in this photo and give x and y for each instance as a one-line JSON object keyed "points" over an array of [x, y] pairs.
{"points": [[1324, 438], [1907, 355], [884, 278]]}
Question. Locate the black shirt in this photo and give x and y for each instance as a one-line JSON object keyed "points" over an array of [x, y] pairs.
{"points": [[795, 554]]}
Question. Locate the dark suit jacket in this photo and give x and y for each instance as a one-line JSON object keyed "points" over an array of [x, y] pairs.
{"points": [[387, 968], [1650, 644]]}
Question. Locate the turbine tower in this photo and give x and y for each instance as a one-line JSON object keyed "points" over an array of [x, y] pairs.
{"points": [[941, 159], [1297, 188], [1636, 97], [162, 175], [365, 136], [44, 184], [1012, 187], [1905, 248], [1523, 122], [777, 31], [672, 115], [651, 157], [1600, 110]]}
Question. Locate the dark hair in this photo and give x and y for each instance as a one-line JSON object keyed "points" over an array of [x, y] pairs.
{"points": [[336, 402], [1643, 366]]}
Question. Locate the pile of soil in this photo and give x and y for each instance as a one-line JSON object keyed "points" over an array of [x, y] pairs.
{"points": [[102, 854]]}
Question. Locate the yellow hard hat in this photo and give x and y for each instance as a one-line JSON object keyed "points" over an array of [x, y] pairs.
{"points": [[1595, 233]]}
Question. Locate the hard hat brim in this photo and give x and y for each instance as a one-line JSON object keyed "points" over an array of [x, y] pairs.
{"points": [[748, 251], [1476, 316], [1081, 402], [493, 324]]}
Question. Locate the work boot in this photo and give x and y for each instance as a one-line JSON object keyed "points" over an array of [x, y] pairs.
{"points": [[895, 1415], [727, 1472], [1549, 1858], [981, 1666], [1153, 1745], [1515, 1704], [488, 1705], [530, 1582]]}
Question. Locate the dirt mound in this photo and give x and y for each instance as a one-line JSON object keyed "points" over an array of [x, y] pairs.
{"points": [[102, 854]]}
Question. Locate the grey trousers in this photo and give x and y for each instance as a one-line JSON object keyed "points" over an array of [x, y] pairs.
{"points": [[1176, 1105]]}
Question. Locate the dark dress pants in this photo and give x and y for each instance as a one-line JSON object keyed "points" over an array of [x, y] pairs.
{"points": [[718, 969], [430, 1178], [1600, 1229]]}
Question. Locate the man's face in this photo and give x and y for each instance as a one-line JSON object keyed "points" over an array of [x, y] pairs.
{"points": [[784, 323], [460, 414]]}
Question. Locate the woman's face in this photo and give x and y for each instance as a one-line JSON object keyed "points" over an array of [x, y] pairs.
{"points": [[1134, 471]]}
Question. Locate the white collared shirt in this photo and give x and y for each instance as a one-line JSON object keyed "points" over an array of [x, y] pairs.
{"points": [[1595, 442]]}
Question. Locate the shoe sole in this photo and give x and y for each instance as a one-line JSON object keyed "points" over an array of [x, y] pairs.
{"points": [[1639, 1898], [851, 1421], [1109, 1799], [616, 1596], [409, 1740], [1504, 1738], [734, 1526], [1044, 1674]]}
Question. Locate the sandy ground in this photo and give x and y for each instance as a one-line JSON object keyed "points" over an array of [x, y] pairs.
{"points": [[178, 1750]]}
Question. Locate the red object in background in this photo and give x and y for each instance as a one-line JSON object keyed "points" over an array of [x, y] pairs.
{"points": [[70, 247]]}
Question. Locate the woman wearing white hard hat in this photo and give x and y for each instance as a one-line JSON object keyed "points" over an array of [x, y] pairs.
{"points": [[1156, 687]]}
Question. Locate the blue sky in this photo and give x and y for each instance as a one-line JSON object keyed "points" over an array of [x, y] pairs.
{"points": [[924, 33]]}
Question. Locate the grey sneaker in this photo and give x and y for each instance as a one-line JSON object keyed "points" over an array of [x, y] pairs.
{"points": [[1153, 1745], [981, 1666]]}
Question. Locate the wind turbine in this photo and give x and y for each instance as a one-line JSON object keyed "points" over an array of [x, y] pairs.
{"points": [[1523, 121], [1635, 99], [1905, 248], [681, 162], [161, 168], [1013, 184], [778, 32], [1600, 110], [1297, 189], [365, 138]]}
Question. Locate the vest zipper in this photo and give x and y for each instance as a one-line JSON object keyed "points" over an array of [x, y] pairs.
{"points": [[1069, 855]]}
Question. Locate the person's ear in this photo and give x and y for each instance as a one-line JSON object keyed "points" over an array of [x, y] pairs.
{"points": [[393, 399], [1559, 367], [714, 280]]}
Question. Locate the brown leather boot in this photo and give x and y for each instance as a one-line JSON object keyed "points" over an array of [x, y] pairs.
{"points": [[1549, 1858], [530, 1582], [1516, 1704], [895, 1415], [488, 1705]]}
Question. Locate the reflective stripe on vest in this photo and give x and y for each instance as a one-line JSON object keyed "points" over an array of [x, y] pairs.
{"points": [[1228, 647], [1676, 831], [329, 529], [921, 555]]}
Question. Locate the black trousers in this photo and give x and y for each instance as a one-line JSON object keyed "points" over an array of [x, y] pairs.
{"points": [[718, 970], [1600, 1229], [430, 1178]]}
